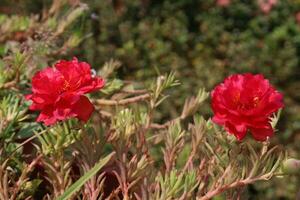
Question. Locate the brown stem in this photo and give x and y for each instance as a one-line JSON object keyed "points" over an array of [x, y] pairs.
{"points": [[8, 85], [108, 115], [134, 91], [114, 194], [189, 161], [122, 102], [23, 177], [166, 124], [219, 190], [25, 142]]}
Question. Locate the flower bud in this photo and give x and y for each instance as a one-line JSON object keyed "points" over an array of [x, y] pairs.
{"points": [[291, 166]]}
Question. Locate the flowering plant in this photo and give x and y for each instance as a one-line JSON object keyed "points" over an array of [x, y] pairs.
{"points": [[59, 92], [126, 149], [243, 101], [192, 151], [246, 102]]}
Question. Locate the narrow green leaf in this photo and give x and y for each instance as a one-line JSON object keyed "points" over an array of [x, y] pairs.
{"points": [[80, 182]]}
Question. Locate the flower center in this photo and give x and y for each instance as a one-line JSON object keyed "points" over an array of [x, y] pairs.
{"points": [[250, 104], [66, 86], [255, 101]]}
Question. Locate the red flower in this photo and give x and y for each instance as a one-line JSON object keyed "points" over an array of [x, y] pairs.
{"points": [[246, 102], [298, 18], [223, 3], [266, 5], [58, 92]]}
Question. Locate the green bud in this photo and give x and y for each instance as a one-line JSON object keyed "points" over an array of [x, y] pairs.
{"points": [[291, 166]]}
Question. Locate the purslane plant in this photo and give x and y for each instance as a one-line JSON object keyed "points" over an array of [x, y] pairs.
{"points": [[246, 101], [187, 157], [123, 151], [58, 92], [179, 159]]}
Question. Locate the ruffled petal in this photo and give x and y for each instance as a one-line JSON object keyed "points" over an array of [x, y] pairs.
{"points": [[239, 131], [219, 119], [261, 134], [47, 81], [63, 107], [83, 108], [91, 86], [47, 116]]}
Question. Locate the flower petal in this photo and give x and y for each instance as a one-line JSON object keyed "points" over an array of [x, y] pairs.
{"points": [[83, 108], [47, 116], [239, 131], [261, 134]]}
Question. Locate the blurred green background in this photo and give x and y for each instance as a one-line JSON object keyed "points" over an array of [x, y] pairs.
{"points": [[202, 41]]}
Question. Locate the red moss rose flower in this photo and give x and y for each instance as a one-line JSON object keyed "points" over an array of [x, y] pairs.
{"points": [[223, 3], [58, 92], [246, 102]]}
